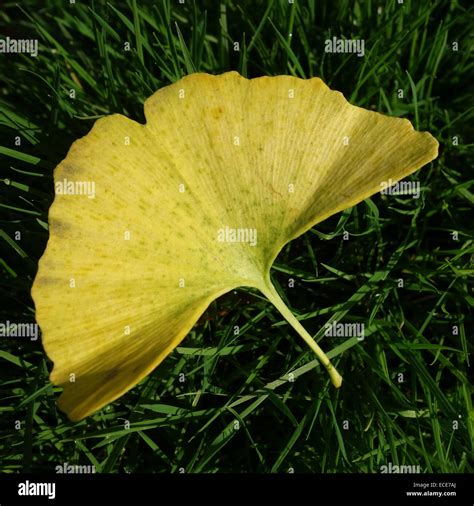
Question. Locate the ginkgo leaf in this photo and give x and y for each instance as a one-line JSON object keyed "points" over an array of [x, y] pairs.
{"points": [[151, 223]]}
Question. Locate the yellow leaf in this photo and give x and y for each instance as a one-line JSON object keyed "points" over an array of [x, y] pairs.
{"points": [[152, 222]]}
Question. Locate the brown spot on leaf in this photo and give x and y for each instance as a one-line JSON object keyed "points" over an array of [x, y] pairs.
{"points": [[217, 112]]}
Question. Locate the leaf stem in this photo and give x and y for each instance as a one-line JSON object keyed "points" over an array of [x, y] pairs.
{"points": [[272, 295]]}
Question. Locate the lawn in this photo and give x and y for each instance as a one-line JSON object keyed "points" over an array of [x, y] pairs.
{"points": [[399, 265]]}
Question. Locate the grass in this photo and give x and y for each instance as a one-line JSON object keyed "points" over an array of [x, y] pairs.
{"points": [[258, 402]]}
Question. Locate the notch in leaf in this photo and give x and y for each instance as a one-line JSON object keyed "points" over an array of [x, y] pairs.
{"points": [[152, 222]]}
